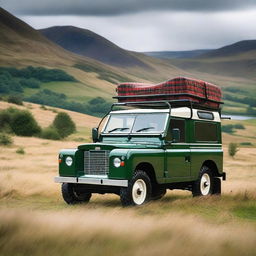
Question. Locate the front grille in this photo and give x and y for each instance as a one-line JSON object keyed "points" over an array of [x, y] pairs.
{"points": [[96, 162]]}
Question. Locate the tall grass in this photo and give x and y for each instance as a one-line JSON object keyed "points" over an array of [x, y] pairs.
{"points": [[95, 233]]}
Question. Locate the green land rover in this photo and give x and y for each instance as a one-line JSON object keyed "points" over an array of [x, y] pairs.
{"points": [[143, 151]]}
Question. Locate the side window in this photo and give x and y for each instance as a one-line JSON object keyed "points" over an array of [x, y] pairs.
{"points": [[176, 123], [205, 131]]}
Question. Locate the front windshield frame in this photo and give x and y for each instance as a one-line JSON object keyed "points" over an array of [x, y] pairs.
{"points": [[105, 130]]}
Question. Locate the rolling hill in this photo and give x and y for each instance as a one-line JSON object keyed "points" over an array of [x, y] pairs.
{"points": [[87, 43], [177, 54], [22, 46], [237, 60], [233, 50]]}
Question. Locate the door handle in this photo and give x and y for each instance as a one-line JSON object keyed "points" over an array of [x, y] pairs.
{"points": [[187, 159]]}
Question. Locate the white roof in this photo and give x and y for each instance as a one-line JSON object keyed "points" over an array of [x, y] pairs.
{"points": [[183, 112]]}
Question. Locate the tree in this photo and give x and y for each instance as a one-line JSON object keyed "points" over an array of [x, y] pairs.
{"points": [[64, 124], [232, 149]]}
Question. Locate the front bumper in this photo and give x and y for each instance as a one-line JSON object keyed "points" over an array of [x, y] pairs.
{"points": [[92, 181]]}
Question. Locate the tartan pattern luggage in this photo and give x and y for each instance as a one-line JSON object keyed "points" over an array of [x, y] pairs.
{"points": [[180, 88]]}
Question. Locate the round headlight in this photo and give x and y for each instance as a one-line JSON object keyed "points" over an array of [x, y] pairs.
{"points": [[117, 162], [69, 161]]}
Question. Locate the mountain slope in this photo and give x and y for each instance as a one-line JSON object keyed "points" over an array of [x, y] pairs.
{"points": [[239, 48], [177, 54], [20, 43], [236, 60], [87, 43], [21, 46]]}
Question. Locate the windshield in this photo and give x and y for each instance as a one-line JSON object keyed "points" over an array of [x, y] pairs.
{"points": [[136, 123]]}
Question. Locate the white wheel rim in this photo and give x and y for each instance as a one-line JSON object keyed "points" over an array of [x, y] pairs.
{"points": [[139, 191], [205, 184]]}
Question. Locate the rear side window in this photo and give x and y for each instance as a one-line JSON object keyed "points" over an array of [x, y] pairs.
{"points": [[180, 124], [205, 115], [205, 131]]}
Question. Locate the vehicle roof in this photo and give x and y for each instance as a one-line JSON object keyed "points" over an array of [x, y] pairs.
{"points": [[183, 112]]}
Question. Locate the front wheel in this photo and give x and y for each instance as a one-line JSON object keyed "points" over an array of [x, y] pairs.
{"points": [[204, 185], [71, 196], [138, 191]]}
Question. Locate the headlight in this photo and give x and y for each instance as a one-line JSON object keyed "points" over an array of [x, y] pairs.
{"points": [[117, 162], [69, 161]]}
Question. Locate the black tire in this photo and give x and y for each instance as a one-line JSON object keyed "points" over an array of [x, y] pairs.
{"points": [[158, 193], [70, 196], [216, 186], [207, 188], [128, 197]]}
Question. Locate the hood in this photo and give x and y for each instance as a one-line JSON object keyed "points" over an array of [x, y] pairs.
{"points": [[108, 146]]}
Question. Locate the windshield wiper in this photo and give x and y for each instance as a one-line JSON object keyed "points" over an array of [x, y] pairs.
{"points": [[119, 128], [145, 128]]}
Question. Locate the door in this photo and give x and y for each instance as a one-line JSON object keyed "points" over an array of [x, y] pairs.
{"points": [[177, 155]]}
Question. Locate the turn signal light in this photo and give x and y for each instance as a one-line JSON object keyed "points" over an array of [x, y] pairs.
{"points": [[60, 160], [122, 163]]}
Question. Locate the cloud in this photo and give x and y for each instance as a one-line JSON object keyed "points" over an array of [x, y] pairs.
{"points": [[119, 7], [167, 31]]}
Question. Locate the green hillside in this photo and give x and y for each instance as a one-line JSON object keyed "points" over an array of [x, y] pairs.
{"points": [[22, 46]]}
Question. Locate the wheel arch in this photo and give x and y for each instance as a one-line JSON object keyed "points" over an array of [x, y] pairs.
{"points": [[149, 170], [213, 167]]}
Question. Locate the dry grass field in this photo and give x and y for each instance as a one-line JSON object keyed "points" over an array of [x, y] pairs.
{"points": [[34, 220]]}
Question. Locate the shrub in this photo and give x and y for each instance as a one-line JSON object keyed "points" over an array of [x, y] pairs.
{"points": [[43, 107], [246, 143], [5, 139], [64, 124], [251, 111], [24, 124], [97, 100], [5, 120], [50, 133], [30, 83], [227, 128], [239, 126], [15, 99], [20, 150], [232, 149]]}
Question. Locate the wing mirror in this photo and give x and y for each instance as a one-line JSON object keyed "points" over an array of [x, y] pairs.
{"points": [[175, 135], [95, 134]]}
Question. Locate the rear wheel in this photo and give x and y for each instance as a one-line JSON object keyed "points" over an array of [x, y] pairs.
{"points": [[138, 191], [204, 185], [71, 196]]}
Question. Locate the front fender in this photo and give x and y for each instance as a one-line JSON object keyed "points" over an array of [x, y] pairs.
{"points": [[73, 169], [134, 157]]}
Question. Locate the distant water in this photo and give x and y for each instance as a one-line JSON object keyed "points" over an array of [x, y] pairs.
{"points": [[235, 117]]}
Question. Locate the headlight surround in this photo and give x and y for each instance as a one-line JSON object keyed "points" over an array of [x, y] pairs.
{"points": [[117, 162], [69, 161]]}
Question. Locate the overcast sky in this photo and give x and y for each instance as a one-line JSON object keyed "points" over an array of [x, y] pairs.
{"points": [[147, 25]]}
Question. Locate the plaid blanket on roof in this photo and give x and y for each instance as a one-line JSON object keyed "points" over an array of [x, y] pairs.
{"points": [[178, 88]]}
